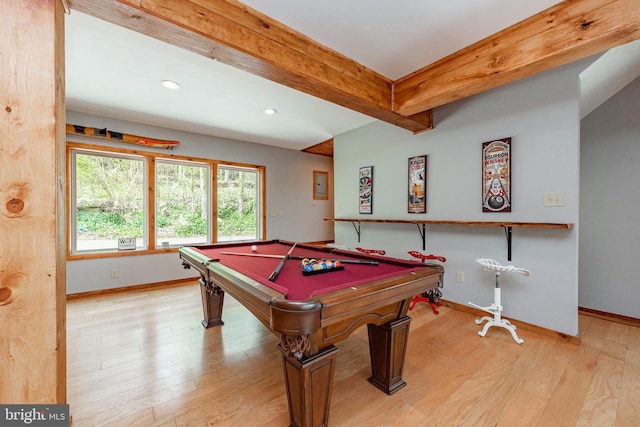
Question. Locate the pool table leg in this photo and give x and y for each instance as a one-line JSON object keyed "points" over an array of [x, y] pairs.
{"points": [[212, 299], [309, 385], [387, 346]]}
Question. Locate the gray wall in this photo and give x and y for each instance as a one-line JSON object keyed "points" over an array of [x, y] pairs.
{"points": [[610, 205], [541, 114], [289, 176]]}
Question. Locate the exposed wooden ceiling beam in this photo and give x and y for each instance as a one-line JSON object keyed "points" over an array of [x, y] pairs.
{"points": [[569, 31], [66, 6], [232, 33]]}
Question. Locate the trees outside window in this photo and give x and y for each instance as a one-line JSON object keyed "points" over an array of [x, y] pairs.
{"points": [[238, 204], [182, 203], [109, 201]]}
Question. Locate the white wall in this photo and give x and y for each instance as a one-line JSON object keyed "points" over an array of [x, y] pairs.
{"points": [[610, 205], [541, 114], [289, 176]]}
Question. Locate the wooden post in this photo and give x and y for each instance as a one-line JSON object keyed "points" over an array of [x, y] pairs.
{"points": [[387, 347], [32, 203], [309, 385], [212, 304]]}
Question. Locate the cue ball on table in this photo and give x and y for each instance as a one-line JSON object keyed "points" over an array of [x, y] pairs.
{"points": [[254, 248]]}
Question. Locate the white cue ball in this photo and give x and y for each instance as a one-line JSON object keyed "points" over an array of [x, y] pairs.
{"points": [[254, 248]]}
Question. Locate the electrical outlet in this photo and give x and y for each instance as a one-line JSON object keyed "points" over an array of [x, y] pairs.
{"points": [[114, 273], [460, 276]]}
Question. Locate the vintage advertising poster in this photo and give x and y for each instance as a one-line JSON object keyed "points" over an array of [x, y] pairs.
{"points": [[366, 190], [496, 179], [417, 184]]}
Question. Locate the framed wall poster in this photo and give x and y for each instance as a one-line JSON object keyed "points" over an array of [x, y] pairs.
{"points": [[366, 190], [496, 175], [417, 184]]}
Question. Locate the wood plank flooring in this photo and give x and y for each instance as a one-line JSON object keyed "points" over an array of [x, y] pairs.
{"points": [[141, 358]]}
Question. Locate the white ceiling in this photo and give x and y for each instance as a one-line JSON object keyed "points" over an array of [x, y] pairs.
{"points": [[114, 72]]}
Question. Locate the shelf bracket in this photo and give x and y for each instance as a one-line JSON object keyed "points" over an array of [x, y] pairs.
{"points": [[423, 234], [508, 234], [357, 228]]}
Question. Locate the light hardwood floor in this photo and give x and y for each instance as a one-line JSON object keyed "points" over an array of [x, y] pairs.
{"points": [[141, 358]]}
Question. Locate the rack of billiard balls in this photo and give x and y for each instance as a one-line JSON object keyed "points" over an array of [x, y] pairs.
{"points": [[317, 266]]}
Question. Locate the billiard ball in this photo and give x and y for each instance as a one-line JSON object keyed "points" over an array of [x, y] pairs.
{"points": [[254, 248]]}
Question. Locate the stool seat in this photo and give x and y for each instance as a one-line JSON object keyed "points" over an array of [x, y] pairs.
{"points": [[423, 257], [432, 296], [489, 264], [496, 307], [371, 251]]}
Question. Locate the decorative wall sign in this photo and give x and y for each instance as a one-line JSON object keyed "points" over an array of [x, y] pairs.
{"points": [[496, 179], [417, 184], [366, 190]]}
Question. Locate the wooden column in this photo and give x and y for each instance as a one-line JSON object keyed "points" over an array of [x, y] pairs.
{"points": [[32, 206]]}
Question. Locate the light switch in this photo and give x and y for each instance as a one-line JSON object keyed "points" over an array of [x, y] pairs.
{"points": [[553, 199]]}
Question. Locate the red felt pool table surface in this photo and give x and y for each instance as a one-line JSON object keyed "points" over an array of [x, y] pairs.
{"points": [[290, 281]]}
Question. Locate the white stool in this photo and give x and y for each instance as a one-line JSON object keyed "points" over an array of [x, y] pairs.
{"points": [[496, 308]]}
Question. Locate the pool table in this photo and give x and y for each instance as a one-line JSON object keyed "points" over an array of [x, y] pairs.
{"points": [[310, 313]]}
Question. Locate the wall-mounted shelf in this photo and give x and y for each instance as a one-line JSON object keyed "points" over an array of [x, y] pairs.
{"points": [[421, 224]]}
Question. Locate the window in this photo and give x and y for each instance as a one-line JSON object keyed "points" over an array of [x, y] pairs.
{"points": [[161, 201], [238, 204], [108, 200], [182, 203]]}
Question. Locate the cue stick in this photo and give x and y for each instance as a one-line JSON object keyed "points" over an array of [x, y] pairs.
{"points": [[258, 255], [343, 261], [275, 273]]}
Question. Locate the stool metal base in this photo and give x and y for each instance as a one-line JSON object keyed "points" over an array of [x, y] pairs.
{"points": [[495, 308]]}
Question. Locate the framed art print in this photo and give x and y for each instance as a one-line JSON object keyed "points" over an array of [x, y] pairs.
{"points": [[366, 190], [417, 184], [496, 179]]}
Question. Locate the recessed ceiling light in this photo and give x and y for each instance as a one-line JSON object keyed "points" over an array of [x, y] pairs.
{"points": [[170, 84], [270, 111]]}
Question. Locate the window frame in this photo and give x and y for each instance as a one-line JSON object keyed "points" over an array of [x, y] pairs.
{"points": [[210, 190], [260, 199], [150, 197], [73, 198]]}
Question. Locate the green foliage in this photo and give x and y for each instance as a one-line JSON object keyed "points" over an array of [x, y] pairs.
{"points": [[196, 225], [234, 225], [110, 198], [237, 203], [109, 225], [109, 183]]}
